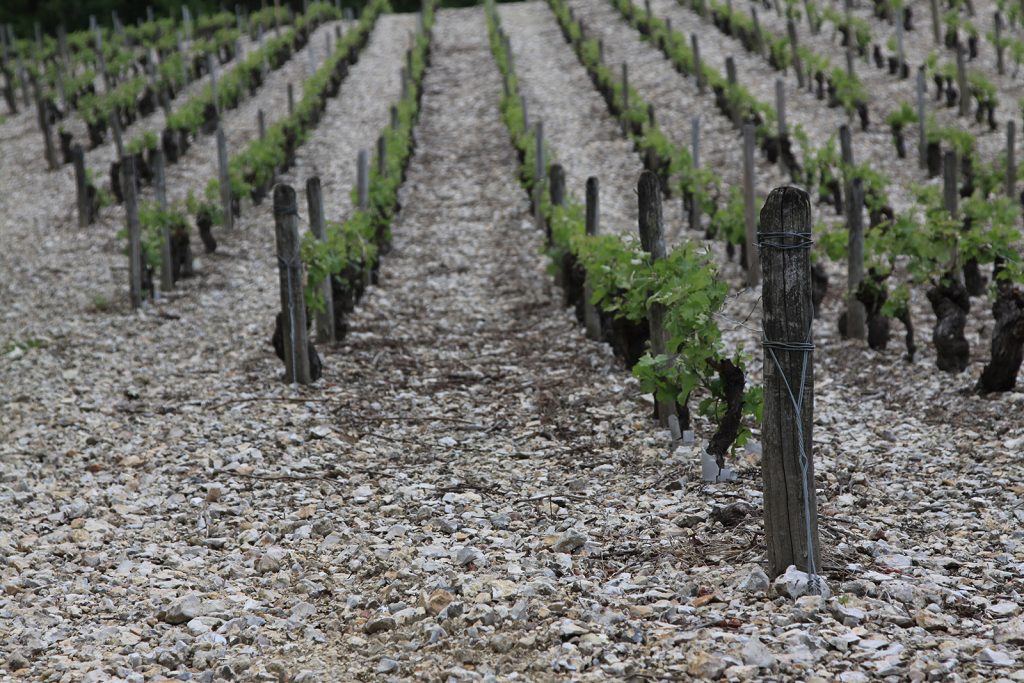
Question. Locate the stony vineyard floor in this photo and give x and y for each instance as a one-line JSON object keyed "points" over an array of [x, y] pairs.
{"points": [[473, 490]]}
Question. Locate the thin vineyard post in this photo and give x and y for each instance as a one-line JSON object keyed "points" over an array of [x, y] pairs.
{"points": [[730, 75], [591, 318], [363, 179], [695, 153], [325, 325], [846, 154], [212, 68], [1011, 159], [81, 186], [394, 117], [160, 183], [794, 48], [998, 21], [225, 179], [625, 87], [291, 99], [382, 156], [749, 213], [44, 125], [951, 195], [556, 184], [780, 114], [849, 38], [652, 240], [922, 139], [131, 208], [961, 80], [697, 68], [261, 124], [787, 463], [289, 268], [900, 55], [855, 312], [758, 37], [115, 127], [538, 174], [936, 33]]}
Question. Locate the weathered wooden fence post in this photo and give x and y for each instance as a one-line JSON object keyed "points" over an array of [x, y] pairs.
{"points": [[261, 124], [790, 506], [131, 208], [936, 33], [81, 186], [325, 325], [730, 77], [749, 214], [625, 87], [293, 305], [855, 312], [1011, 159], [44, 126], [291, 99], [160, 185], [697, 67], [538, 174], [998, 21], [556, 188], [795, 49], [224, 179], [591, 317], [961, 81], [382, 156], [363, 179], [900, 54], [652, 240], [922, 138]]}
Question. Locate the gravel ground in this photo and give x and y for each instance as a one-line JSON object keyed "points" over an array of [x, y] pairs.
{"points": [[353, 120], [473, 491], [585, 139]]}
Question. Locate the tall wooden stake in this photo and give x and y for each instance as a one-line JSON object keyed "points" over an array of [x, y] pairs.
{"points": [[1011, 159], [289, 268], [325, 318], [922, 138], [160, 185], [749, 213], [652, 240], [591, 317], [855, 313], [787, 463], [225, 179], [131, 208], [81, 186]]}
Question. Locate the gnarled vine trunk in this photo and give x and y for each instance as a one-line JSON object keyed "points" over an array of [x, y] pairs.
{"points": [[1000, 373], [951, 304], [733, 383]]}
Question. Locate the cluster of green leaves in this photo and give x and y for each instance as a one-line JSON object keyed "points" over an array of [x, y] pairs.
{"points": [[141, 143], [354, 244], [859, 28], [267, 17], [153, 221], [962, 141], [125, 97], [623, 280], [904, 115]]}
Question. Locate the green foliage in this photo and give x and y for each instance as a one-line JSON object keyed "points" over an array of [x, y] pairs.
{"points": [[902, 116], [147, 141]]}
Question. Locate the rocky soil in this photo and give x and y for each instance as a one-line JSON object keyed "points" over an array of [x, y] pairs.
{"points": [[473, 491]]}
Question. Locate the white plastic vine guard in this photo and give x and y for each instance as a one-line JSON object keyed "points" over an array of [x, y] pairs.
{"points": [[710, 470]]}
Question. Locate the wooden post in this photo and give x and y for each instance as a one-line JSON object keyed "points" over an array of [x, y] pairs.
{"points": [[951, 198], [394, 117], [1011, 159], [44, 125], [695, 153], [81, 186], [363, 179], [855, 313], [261, 124], [900, 54], [382, 156], [922, 139], [846, 154], [526, 111], [787, 463], [794, 47], [652, 240], [749, 214], [115, 128], [730, 74], [936, 32], [998, 21], [131, 208], [291, 99], [780, 114], [538, 173], [325, 318], [211, 67], [160, 185], [225, 180], [758, 37], [289, 268], [591, 317], [698, 69], [556, 185], [850, 39], [625, 87], [961, 81]]}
